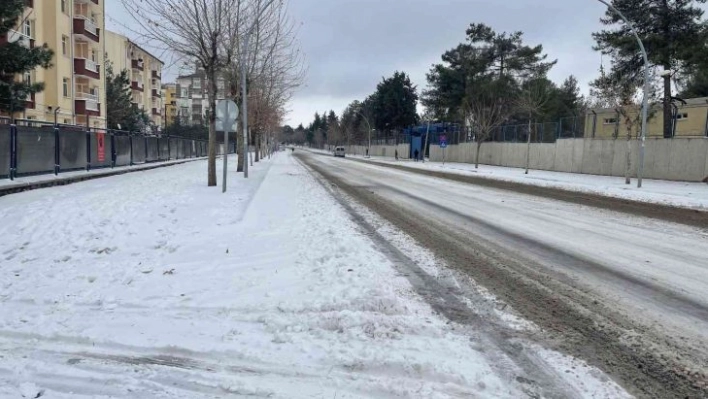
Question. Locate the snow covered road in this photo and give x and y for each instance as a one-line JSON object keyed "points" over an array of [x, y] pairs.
{"points": [[151, 285], [559, 264]]}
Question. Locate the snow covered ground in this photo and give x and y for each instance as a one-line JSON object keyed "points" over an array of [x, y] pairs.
{"points": [[681, 194], [150, 285], [48, 177]]}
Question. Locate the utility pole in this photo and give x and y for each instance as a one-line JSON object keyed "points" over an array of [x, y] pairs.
{"points": [[645, 101]]}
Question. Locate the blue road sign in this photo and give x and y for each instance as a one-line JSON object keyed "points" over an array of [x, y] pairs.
{"points": [[443, 141]]}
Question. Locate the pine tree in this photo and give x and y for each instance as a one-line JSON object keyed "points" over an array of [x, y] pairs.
{"points": [[122, 112], [673, 33], [394, 103], [16, 60]]}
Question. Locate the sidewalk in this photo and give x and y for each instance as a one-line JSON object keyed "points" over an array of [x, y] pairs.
{"points": [[24, 183]]}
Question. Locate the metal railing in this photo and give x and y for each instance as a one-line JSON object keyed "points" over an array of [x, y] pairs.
{"points": [[31, 147]]}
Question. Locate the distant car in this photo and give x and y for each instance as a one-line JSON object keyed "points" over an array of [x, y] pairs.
{"points": [[339, 152]]}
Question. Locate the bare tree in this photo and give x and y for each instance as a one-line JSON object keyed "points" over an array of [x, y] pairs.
{"points": [[193, 30], [273, 62], [622, 96], [487, 111], [535, 95]]}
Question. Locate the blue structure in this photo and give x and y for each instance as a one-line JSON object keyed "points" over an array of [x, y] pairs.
{"points": [[415, 135]]}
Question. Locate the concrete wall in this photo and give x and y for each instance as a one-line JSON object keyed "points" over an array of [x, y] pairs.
{"points": [[683, 159], [379, 150]]}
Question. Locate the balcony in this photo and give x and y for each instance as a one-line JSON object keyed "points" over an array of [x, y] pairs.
{"points": [[88, 68], [86, 28], [19, 37], [135, 85], [156, 93], [86, 1], [138, 64], [156, 111], [29, 3], [87, 96], [156, 75], [87, 106], [30, 101]]}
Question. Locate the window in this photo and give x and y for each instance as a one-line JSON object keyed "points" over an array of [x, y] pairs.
{"points": [[681, 116], [610, 121], [66, 121], [27, 78], [64, 44], [27, 28], [65, 87], [63, 6], [197, 84]]}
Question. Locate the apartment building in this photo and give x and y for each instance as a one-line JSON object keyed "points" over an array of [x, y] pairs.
{"points": [[192, 99], [691, 120], [73, 29], [145, 71], [169, 96]]}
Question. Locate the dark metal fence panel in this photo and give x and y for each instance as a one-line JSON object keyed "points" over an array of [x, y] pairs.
{"points": [[72, 149], [179, 144], [35, 150], [163, 149], [152, 149], [122, 150], [138, 149], [4, 150], [173, 148]]}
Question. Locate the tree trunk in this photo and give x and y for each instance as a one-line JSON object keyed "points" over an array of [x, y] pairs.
{"points": [[211, 152], [667, 107], [239, 151], [259, 155], [257, 139], [476, 159], [628, 166]]}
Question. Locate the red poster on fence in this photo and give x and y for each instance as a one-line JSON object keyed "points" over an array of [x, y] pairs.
{"points": [[101, 142]]}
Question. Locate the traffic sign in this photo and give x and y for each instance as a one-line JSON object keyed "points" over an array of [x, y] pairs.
{"points": [[226, 114], [443, 141]]}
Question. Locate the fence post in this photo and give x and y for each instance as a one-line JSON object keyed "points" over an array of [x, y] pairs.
{"points": [[560, 128], [88, 150], [114, 153], [57, 151], [130, 139], [146, 149], [169, 151], [13, 151], [158, 150]]}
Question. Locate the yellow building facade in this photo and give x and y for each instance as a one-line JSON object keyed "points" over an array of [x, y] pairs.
{"points": [[145, 71], [169, 95], [691, 121], [74, 30]]}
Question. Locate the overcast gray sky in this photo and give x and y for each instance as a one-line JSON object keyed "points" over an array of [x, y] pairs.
{"points": [[352, 44]]}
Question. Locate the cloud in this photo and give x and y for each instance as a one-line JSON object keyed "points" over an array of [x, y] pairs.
{"points": [[351, 44]]}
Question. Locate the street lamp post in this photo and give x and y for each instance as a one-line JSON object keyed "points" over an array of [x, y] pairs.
{"points": [[368, 150], [645, 101]]}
